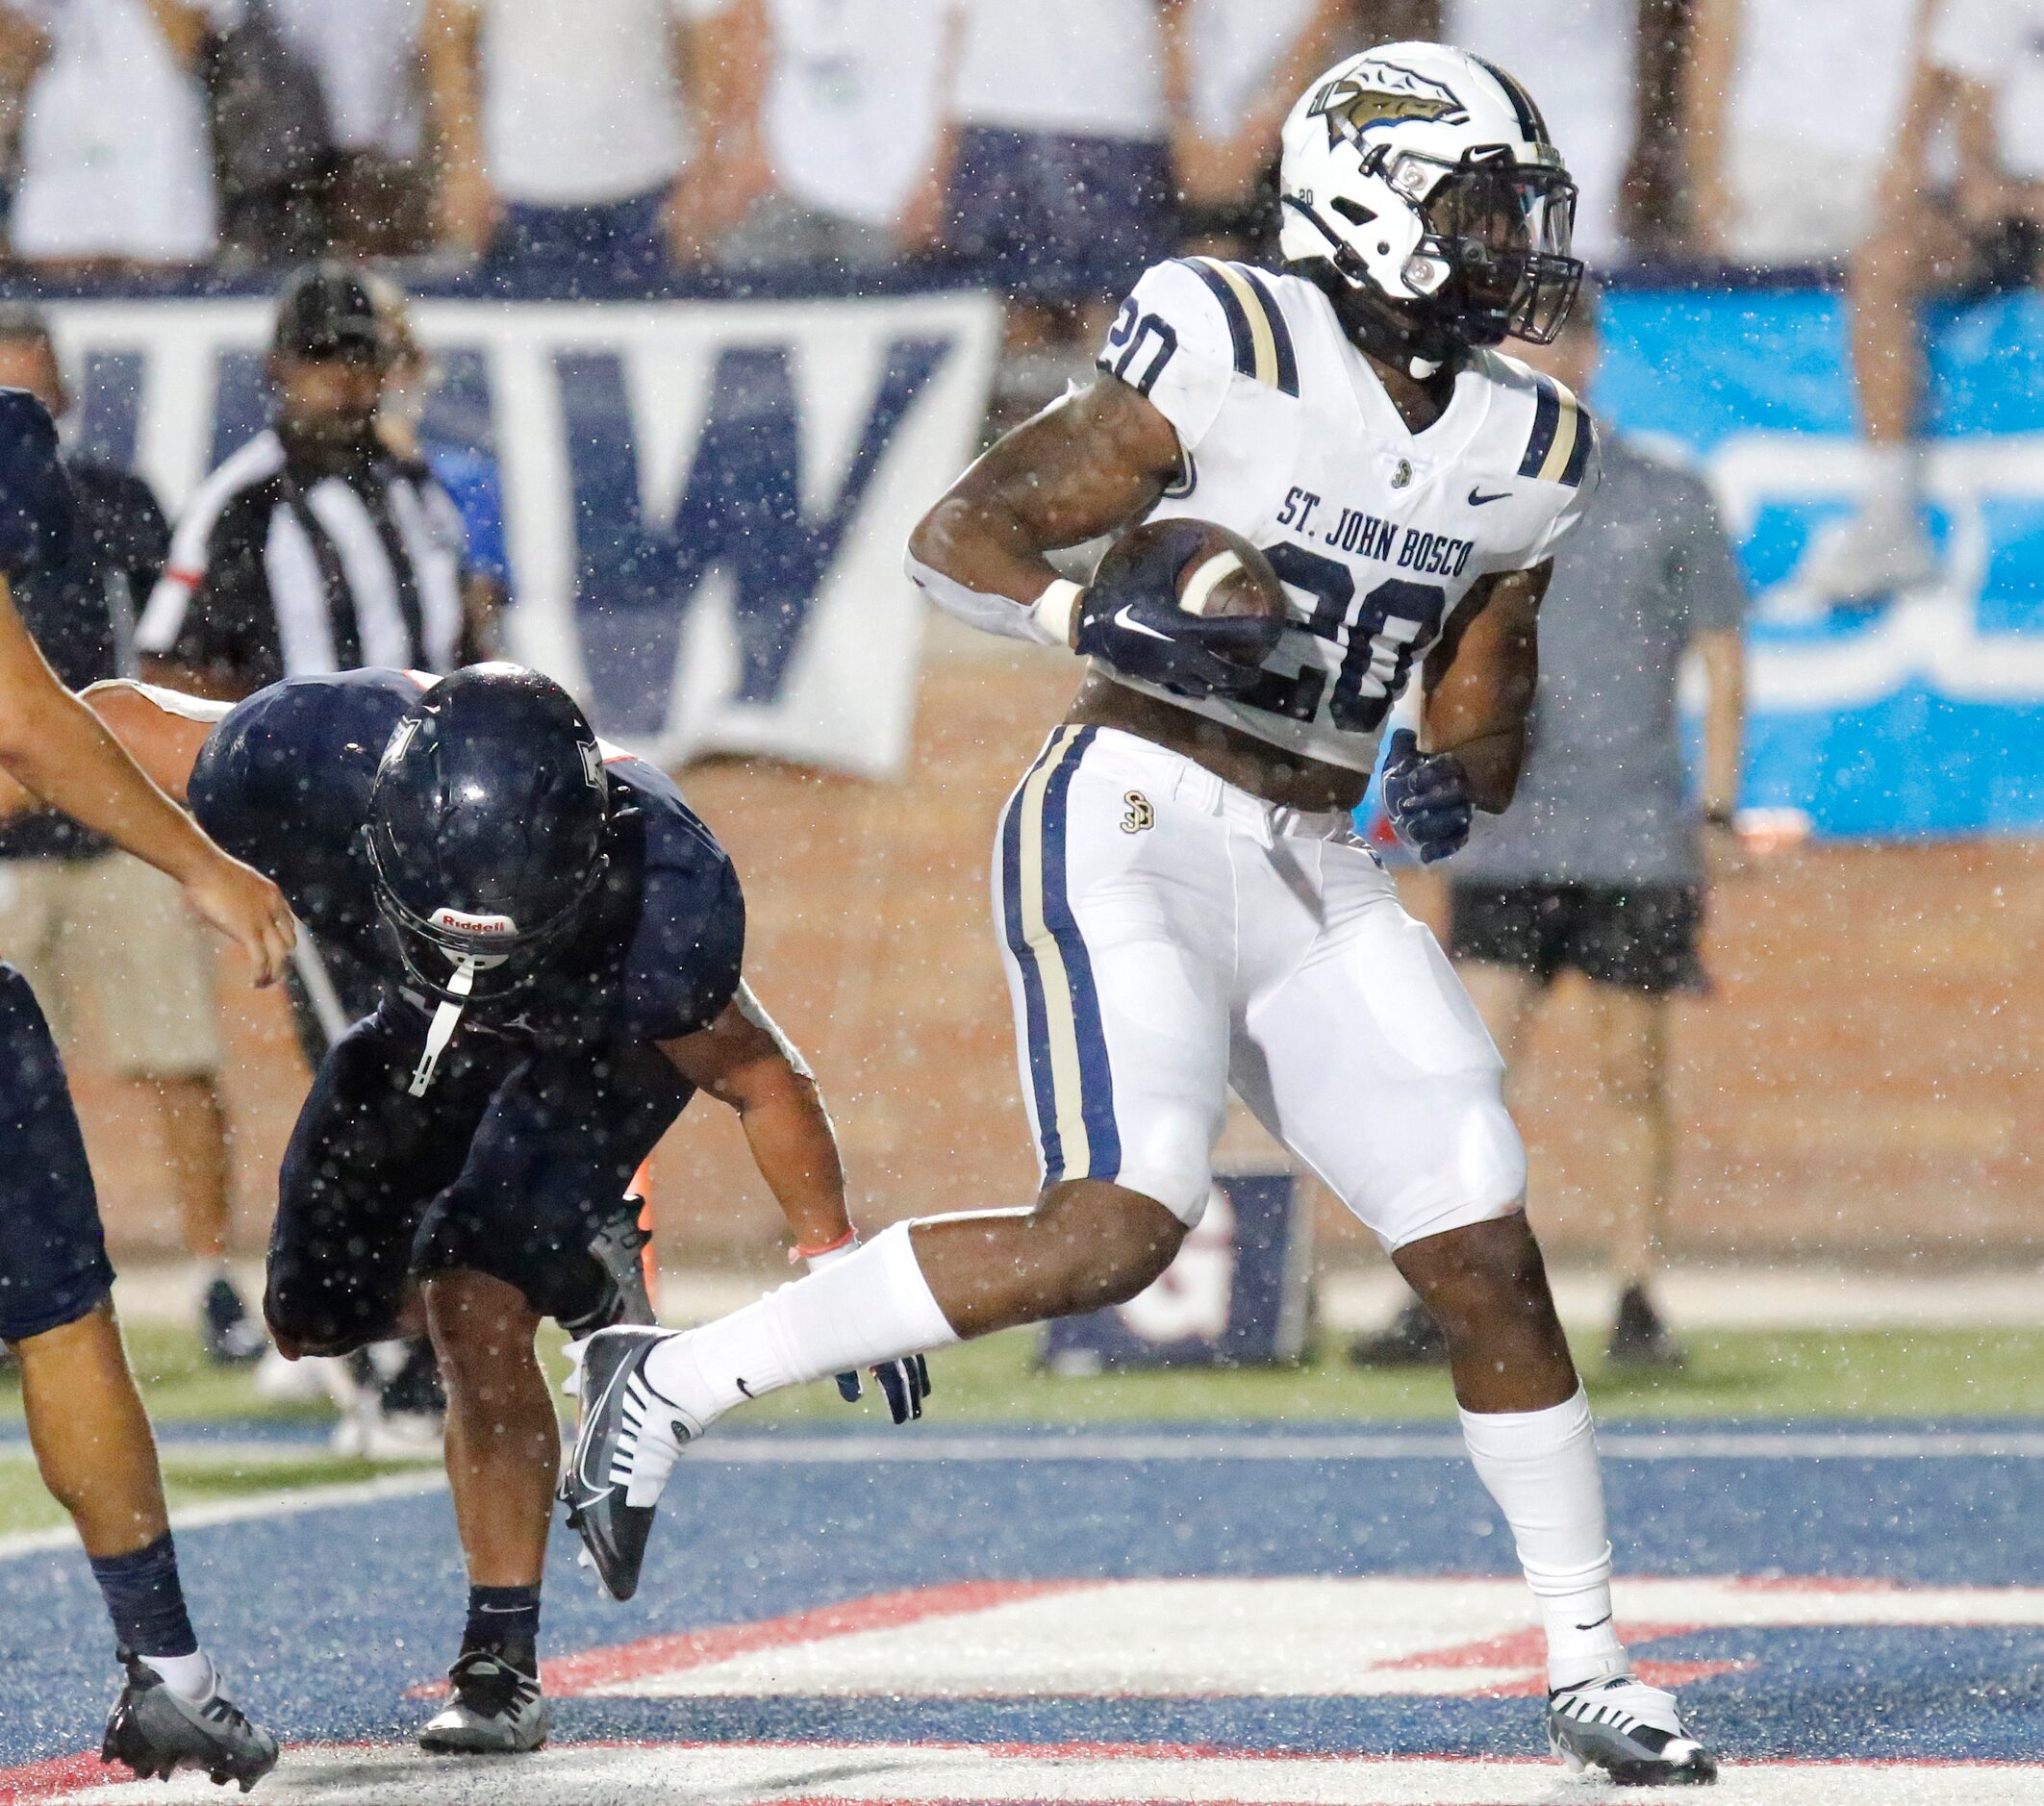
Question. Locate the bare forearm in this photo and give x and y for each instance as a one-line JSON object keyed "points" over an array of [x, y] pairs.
{"points": [[1494, 760], [796, 1150], [63, 753], [1724, 660]]}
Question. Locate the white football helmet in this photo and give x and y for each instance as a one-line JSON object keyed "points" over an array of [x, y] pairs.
{"points": [[1423, 176]]}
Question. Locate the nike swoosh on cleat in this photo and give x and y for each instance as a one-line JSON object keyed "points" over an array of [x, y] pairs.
{"points": [[1123, 619], [743, 1388], [1477, 499], [1605, 1620]]}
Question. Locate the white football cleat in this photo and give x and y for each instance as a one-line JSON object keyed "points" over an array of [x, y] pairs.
{"points": [[1634, 1732]]}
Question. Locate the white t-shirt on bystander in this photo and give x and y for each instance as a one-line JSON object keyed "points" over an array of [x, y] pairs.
{"points": [[114, 155], [851, 105], [367, 53], [1074, 68], [2000, 43], [1576, 59], [1817, 95], [580, 104], [1237, 47]]}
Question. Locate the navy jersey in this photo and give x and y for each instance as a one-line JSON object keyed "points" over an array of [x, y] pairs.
{"points": [[284, 784]]}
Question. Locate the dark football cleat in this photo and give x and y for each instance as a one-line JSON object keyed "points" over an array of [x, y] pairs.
{"points": [[1640, 1338], [230, 1336], [619, 1248], [156, 1733], [624, 1450], [493, 1708], [1634, 1732], [1414, 1340]]}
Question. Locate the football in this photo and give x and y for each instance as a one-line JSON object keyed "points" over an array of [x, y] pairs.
{"points": [[1219, 574]]}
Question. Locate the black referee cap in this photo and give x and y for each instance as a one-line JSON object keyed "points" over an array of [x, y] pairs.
{"points": [[328, 312]]}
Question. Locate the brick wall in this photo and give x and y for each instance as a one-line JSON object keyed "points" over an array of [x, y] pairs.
{"points": [[1864, 1080]]}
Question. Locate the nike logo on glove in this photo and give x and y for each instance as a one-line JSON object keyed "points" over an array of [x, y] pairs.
{"points": [[1477, 499], [1123, 619]]}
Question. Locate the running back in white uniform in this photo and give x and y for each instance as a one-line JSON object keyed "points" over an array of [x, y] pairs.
{"points": [[1168, 936], [1377, 532]]}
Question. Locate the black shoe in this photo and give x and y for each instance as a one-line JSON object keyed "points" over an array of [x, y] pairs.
{"points": [[1639, 1339], [1414, 1340], [629, 1439], [618, 1247], [1632, 1731], [494, 1707], [229, 1335], [155, 1732]]}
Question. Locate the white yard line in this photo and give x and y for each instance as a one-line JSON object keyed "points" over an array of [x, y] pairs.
{"points": [[284, 1503]]}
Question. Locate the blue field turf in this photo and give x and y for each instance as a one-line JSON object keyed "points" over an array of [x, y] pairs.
{"points": [[325, 1619]]}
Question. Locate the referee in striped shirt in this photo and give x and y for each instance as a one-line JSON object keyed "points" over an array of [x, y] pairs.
{"points": [[312, 549]]}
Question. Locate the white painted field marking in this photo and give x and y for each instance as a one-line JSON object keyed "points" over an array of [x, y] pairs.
{"points": [[1303, 1636], [1200, 1444], [901, 1775], [287, 1502]]}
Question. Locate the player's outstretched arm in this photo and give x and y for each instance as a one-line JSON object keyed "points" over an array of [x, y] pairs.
{"points": [[1084, 467], [58, 750], [743, 1060]]}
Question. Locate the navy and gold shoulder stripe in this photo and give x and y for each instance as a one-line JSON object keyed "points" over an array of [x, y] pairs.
{"points": [[1563, 437], [1255, 322]]}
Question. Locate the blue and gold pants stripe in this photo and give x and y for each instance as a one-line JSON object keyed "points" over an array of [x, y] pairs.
{"points": [[1069, 1073]]}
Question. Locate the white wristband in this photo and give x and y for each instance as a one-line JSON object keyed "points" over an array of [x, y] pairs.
{"points": [[1054, 608], [830, 1257]]}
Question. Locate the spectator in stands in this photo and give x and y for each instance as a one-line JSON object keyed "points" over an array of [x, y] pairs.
{"points": [[116, 168], [825, 148], [1057, 154], [1782, 170], [369, 56], [564, 137], [1250, 60], [1581, 57], [1597, 867], [1980, 76], [101, 936]]}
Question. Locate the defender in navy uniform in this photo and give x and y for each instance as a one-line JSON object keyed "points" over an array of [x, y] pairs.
{"points": [[560, 942], [85, 1418]]}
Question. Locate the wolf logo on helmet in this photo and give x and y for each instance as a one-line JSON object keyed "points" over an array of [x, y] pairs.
{"points": [[1378, 93], [1420, 179]]}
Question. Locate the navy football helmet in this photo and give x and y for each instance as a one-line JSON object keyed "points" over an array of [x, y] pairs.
{"points": [[487, 838]]}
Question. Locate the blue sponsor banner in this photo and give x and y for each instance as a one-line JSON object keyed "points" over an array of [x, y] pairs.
{"points": [[1921, 715], [698, 507]]}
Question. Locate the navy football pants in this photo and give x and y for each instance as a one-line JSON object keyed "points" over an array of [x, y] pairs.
{"points": [[53, 1255], [507, 1166]]}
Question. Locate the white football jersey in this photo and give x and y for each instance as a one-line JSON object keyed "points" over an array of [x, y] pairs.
{"points": [[1379, 533]]}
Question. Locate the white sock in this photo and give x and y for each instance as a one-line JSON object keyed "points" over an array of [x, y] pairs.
{"points": [[1895, 481], [871, 1306], [190, 1677], [1541, 1467]]}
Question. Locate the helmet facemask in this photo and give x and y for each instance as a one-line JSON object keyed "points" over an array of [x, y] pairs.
{"points": [[1419, 187]]}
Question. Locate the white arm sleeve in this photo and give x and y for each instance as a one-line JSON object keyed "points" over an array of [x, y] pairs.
{"points": [[990, 613]]}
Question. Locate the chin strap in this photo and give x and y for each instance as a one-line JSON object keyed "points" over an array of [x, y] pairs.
{"points": [[441, 1031]]}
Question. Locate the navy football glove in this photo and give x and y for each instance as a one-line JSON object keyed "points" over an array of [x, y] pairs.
{"points": [[1133, 621], [37, 513], [905, 1384], [1427, 796]]}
